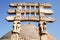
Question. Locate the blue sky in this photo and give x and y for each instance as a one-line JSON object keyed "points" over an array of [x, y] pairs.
{"points": [[52, 28]]}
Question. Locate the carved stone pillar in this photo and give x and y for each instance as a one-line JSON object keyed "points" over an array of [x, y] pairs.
{"points": [[17, 25], [41, 16]]}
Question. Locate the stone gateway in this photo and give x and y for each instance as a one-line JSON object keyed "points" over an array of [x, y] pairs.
{"points": [[31, 12]]}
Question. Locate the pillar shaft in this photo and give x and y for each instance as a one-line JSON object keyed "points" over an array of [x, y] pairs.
{"points": [[41, 16], [17, 25]]}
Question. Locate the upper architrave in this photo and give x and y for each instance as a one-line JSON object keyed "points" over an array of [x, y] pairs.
{"points": [[46, 5]]}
